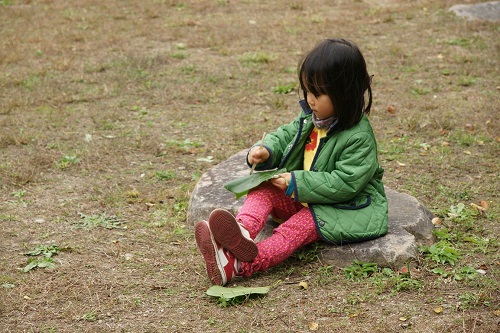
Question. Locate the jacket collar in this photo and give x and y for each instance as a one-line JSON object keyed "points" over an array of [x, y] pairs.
{"points": [[305, 107]]}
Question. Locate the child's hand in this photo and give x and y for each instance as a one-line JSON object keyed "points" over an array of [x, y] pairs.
{"points": [[281, 181], [258, 155]]}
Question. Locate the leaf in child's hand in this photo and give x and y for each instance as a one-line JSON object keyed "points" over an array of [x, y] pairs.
{"points": [[242, 185]]}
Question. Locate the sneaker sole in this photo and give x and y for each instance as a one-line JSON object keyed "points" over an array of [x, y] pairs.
{"points": [[227, 233], [204, 242]]}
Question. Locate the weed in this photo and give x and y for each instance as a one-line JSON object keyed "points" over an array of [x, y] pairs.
{"points": [[66, 161], [404, 282], [93, 221], [419, 91], [467, 273], [442, 252], [46, 261], [471, 300], [309, 253], [163, 175], [89, 316], [358, 270]]}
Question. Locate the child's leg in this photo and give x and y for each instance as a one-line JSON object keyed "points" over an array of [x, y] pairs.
{"points": [[265, 200], [298, 231]]}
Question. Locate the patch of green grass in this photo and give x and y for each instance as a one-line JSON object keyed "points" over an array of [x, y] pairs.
{"points": [[284, 89], [179, 55], [256, 58], [466, 81], [460, 41]]}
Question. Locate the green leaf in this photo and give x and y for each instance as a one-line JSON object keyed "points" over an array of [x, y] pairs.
{"points": [[30, 266], [229, 293], [241, 186]]}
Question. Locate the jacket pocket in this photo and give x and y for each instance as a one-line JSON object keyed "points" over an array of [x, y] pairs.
{"points": [[355, 204]]}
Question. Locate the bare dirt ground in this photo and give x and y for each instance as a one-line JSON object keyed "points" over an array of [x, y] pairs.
{"points": [[111, 110]]}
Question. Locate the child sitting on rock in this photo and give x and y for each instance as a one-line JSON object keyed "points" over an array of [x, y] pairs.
{"points": [[332, 190]]}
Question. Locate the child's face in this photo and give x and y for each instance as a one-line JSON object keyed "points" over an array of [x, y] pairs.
{"points": [[321, 105]]}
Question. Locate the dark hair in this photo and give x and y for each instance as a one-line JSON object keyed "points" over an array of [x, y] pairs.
{"points": [[336, 67]]}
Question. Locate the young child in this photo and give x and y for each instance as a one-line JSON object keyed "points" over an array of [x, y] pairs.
{"points": [[333, 189]]}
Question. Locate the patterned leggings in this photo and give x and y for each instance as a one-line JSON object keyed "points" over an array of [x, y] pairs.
{"points": [[297, 231]]}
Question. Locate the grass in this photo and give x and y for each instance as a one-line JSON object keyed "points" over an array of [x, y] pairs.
{"points": [[111, 111]]}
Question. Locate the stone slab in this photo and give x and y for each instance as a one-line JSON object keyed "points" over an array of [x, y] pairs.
{"points": [[489, 11], [410, 223]]}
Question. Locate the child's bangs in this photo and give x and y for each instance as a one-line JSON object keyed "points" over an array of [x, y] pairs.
{"points": [[314, 83]]}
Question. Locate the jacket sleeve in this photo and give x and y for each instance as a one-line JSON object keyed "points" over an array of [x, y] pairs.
{"points": [[343, 177]]}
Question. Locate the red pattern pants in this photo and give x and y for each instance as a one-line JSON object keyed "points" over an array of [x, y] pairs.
{"points": [[297, 231]]}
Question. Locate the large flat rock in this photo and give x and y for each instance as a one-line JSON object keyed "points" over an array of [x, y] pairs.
{"points": [[489, 11], [410, 223]]}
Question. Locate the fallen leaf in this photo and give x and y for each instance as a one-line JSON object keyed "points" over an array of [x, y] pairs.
{"points": [[403, 319], [483, 204], [403, 270], [436, 221], [497, 313], [438, 310], [228, 293], [479, 209], [467, 152], [391, 109], [303, 285], [400, 164], [313, 326]]}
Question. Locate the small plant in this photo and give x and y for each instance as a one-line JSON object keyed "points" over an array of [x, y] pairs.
{"points": [[442, 252], [405, 283], [46, 261], [94, 221], [89, 316], [467, 273], [420, 91], [66, 161], [163, 175], [310, 253], [359, 269]]}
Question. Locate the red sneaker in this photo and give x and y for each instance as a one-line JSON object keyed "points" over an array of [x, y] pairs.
{"points": [[231, 235], [221, 265]]}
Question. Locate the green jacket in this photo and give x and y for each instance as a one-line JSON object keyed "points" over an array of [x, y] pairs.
{"points": [[343, 188]]}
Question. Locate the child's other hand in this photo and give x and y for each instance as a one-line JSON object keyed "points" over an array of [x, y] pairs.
{"points": [[282, 180], [258, 155]]}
